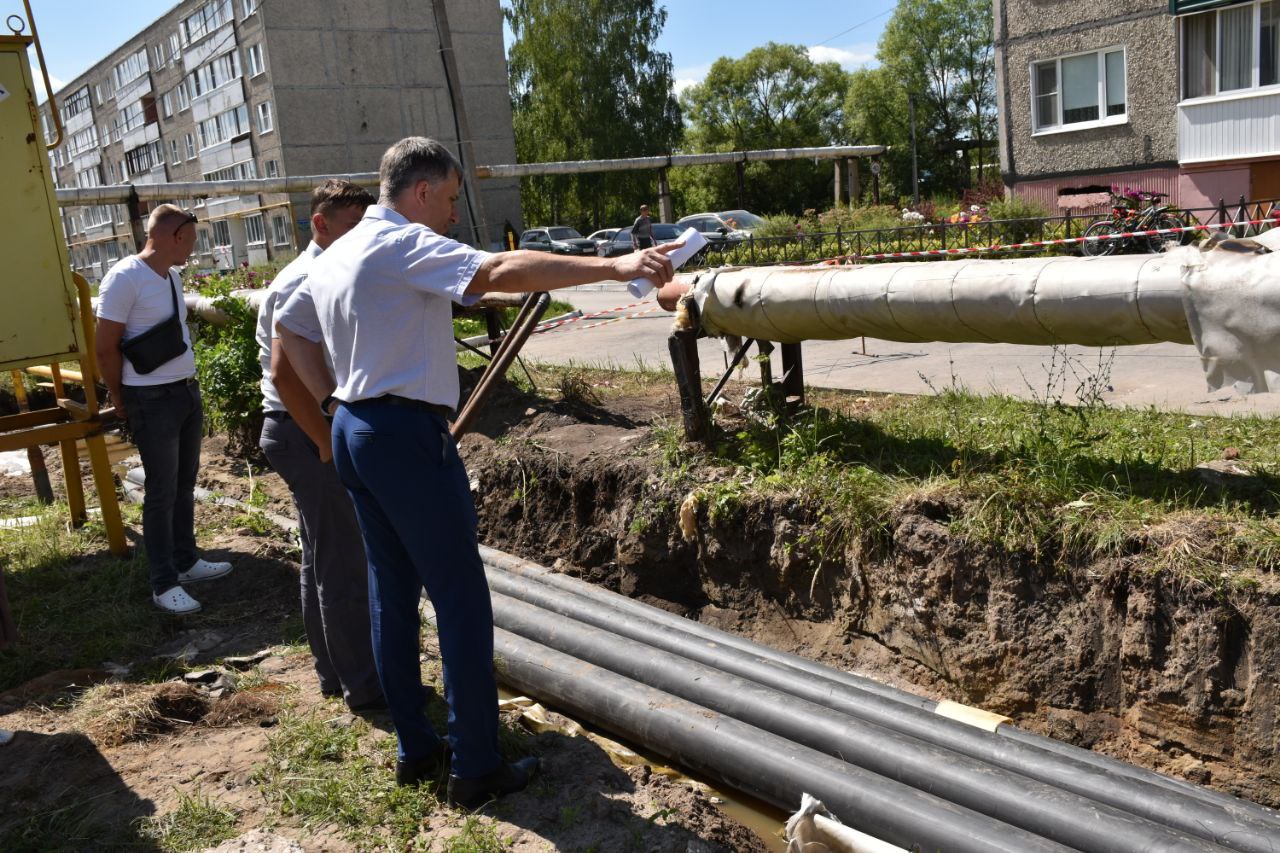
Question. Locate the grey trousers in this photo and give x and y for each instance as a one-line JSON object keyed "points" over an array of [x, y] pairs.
{"points": [[335, 570], [167, 422]]}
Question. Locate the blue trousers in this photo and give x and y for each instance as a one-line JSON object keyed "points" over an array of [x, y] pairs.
{"points": [[418, 521]]}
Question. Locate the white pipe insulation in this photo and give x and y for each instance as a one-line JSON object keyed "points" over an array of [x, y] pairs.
{"points": [[1225, 300]]}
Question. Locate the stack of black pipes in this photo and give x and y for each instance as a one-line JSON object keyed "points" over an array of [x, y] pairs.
{"points": [[776, 725]]}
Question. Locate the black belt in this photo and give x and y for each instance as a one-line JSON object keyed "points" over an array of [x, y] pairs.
{"points": [[279, 416], [190, 380], [410, 403]]}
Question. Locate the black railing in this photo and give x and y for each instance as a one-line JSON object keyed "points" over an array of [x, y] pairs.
{"points": [[984, 238]]}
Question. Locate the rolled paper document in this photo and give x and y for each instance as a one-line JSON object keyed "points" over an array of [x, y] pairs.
{"points": [[693, 243]]}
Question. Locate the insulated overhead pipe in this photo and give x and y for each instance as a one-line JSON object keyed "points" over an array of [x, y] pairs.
{"points": [[749, 759], [1230, 827], [749, 651], [1009, 797]]}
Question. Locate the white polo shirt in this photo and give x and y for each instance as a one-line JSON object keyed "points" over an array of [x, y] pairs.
{"points": [[134, 294], [285, 283], [383, 297]]}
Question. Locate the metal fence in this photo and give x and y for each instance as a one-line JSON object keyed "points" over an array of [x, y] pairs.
{"points": [[971, 239]]}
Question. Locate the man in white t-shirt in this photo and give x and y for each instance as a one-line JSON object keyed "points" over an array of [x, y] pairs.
{"points": [[295, 438], [383, 295], [162, 405]]}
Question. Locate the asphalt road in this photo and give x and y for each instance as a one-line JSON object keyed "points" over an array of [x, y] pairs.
{"points": [[1167, 376]]}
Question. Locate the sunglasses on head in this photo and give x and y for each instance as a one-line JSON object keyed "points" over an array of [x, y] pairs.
{"points": [[190, 219]]}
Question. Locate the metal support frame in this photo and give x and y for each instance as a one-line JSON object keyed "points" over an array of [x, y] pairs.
{"points": [[531, 312], [683, 346], [792, 375]]}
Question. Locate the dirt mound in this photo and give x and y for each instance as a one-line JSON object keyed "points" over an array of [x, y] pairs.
{"points": [[1109, 654], [114, 714], [255, 704]]}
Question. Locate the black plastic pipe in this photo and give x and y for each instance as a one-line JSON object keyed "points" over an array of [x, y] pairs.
{"points": [[1161, 805], [749, 759], [1008, 797], [1260, 815]]}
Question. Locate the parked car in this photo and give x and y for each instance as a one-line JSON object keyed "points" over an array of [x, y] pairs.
{"points": [[718, 235], [557, 238], [604, 235], [663, 232]]}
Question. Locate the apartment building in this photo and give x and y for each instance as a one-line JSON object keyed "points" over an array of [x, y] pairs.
{"points": [[230, 89], [1173, 96]]}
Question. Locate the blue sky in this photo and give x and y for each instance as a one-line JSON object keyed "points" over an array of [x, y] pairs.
{"points": [[77, 33]]}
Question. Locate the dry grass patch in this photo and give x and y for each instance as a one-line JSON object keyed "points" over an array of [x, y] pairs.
{"points": [[247, 706], [115, 714]]}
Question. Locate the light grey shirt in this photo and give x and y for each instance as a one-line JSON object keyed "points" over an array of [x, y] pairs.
{"points": [[134, 294], [383, 296], [286, 282]]}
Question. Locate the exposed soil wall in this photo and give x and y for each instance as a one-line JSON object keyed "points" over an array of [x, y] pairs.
{"points": [[1105, 655]]}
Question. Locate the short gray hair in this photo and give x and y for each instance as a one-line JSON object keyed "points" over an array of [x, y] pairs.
{"points": [[413, 159]]}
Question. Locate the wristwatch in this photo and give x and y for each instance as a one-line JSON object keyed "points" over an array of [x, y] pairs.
{"points": [[326, 405]]}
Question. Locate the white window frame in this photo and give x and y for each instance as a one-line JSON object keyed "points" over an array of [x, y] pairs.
{"points": [[1255, 88], [175, 159], [255, 222], [191, 146], [166, 104], [220, 225], [281, 233], [184, 97], [272, 168], [266, 121], [249, 7], [253, 58], [1104, 120]]}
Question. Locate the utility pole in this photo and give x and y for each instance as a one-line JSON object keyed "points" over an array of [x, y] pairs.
{"points": [[915, 168]]}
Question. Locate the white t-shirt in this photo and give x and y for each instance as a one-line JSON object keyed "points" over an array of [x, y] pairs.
{"points": [[281, 289], [383, 296], [132, 293]]}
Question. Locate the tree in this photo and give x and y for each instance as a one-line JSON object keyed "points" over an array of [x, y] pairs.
{"points": [[587, 84], [774, 97], [940, 52]]}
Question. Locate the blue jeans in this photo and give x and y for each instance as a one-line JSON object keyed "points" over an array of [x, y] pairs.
{"points": [[418, 521], [167, 423]]}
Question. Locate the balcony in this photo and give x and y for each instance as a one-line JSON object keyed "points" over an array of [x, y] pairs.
{"points": [[1229, 127]]}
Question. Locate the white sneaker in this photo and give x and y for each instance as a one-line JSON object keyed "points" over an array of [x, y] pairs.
{"points": [[203, 570], [175, 600]]}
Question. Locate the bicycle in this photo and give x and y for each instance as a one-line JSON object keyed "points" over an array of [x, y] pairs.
{"points": [[1124, 219]]}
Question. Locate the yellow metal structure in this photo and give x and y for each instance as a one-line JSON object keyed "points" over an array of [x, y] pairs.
{"points": [[38, 294], [47, 316]]}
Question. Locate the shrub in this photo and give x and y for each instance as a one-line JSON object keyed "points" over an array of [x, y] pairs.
{"points": [[1016, 218]]}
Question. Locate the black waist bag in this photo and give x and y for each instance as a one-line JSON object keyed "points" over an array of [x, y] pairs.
{"points": [[161, 343]]}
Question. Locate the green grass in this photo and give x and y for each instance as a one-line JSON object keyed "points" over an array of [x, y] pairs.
{"points": [[1062, 482], [195, 824], [74, 604]]}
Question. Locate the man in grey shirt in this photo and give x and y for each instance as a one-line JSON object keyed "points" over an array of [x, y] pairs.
{"points": [[383, 295], [642, 230], [295, 438]]}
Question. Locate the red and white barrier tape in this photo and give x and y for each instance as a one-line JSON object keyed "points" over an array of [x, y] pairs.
{"points": [[1036, 244]]}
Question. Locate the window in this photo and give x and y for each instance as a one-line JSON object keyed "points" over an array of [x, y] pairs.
{"points": [[207, 18], [130, 68], [224, 126], [1231, 50], [144, 158], [264, 117], [174, 157], [82, 141], [1085, 90], [280, 231], [184, 97], [167, 102], [254, 230], [250, 6], [90, 177], [202, 239], [214, 74], [254, 55], [130, 117], [76, 104], [191, 147], [273, 169], [221, 232], [238, 172], [158, 54], [175, 49], [97, 93]]}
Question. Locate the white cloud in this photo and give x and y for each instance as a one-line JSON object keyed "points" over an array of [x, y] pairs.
{"points": [[857, 56], [56, 82], [688, 76]]}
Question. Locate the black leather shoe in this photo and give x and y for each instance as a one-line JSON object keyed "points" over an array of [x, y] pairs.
{"points": [[427, 769], [507, 779]]}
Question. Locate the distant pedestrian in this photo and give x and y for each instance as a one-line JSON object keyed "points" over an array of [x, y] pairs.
{"points": [[642, 230], [144, 354], [334, 575]]}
